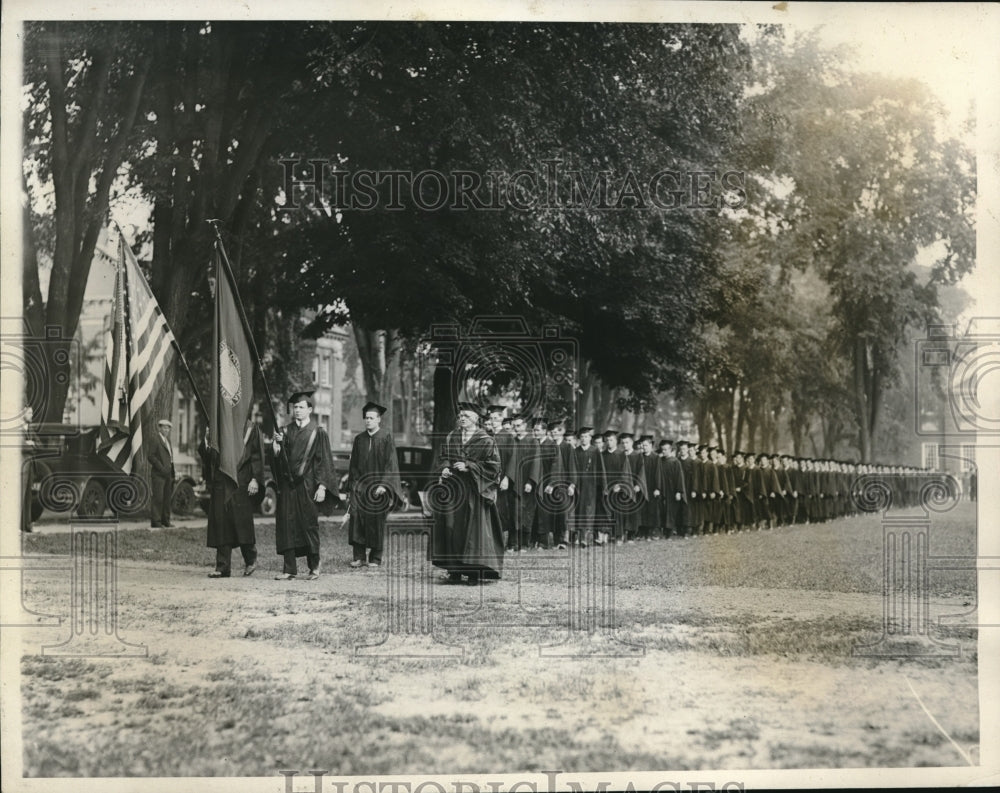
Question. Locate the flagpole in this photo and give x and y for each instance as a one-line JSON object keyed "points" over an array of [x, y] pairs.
{"points": [[177, 348], [243, 318]]}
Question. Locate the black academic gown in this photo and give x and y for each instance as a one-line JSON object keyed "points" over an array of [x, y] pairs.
{"points": [[507, 499], [672, 484], [373, 464], [621, 497], [588, 480], [230, 511], [649, 516], [467, 536], [298, 475]]}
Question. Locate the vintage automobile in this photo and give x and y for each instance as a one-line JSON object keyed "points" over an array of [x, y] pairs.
{"points": [[414, 473], [70, 476]]}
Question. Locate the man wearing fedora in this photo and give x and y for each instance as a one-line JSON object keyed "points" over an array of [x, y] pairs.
{"points": [[161, 475]]}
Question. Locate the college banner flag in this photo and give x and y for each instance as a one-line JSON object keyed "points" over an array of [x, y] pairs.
{"points": [[139, 349], [232, 375]]}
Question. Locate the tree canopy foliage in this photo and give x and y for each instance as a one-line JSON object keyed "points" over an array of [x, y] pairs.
{"points": [[776, 298]]}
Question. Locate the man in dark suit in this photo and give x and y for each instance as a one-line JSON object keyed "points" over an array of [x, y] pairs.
{"points": [[161, 475]]}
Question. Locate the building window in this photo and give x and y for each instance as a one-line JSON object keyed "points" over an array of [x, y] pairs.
{"points": [[930, 456], [968, 456], [324, 371], [315, 371]]}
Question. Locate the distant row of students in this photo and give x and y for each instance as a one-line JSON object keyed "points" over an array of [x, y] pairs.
{"points": [[561, 486]]}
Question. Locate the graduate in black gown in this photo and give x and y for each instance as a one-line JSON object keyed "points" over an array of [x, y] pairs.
{"points": [[589, 484], [374, 487], [507, 502], [672, 491], [230, 511], [649, 514], [303, 467], [467, 538]]}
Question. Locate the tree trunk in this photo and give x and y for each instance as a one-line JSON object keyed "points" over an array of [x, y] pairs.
{"points": [[862, 410], [79, 215], [703, 420], [585, 409], [741, 415], [444, 404], [34, 311], [605, 406]]}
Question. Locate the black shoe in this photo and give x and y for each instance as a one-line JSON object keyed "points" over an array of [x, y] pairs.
{"points": [[218, 574], [168, 525], [156, 525]]}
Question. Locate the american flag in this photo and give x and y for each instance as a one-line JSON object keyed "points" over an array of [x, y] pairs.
{"points": [[139, 350]]}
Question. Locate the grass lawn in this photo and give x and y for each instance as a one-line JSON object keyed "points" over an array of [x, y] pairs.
{"points": [[739, 656]]}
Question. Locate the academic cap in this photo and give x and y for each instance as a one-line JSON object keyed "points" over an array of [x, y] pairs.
{"points": [[496, 409], [372, 406], [645, 438], [298, 396], [471, 407], [582, 430], [623, 435]]}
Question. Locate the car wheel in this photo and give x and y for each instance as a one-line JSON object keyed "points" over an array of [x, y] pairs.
{"points": [[183, 499], [93, 502]]}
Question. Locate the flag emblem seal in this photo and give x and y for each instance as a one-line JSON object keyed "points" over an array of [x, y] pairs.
{"points": [[230, 381]]}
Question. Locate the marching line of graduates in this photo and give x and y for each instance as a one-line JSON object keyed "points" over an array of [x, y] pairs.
{"points": [[520, 483], [561, 486]]}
